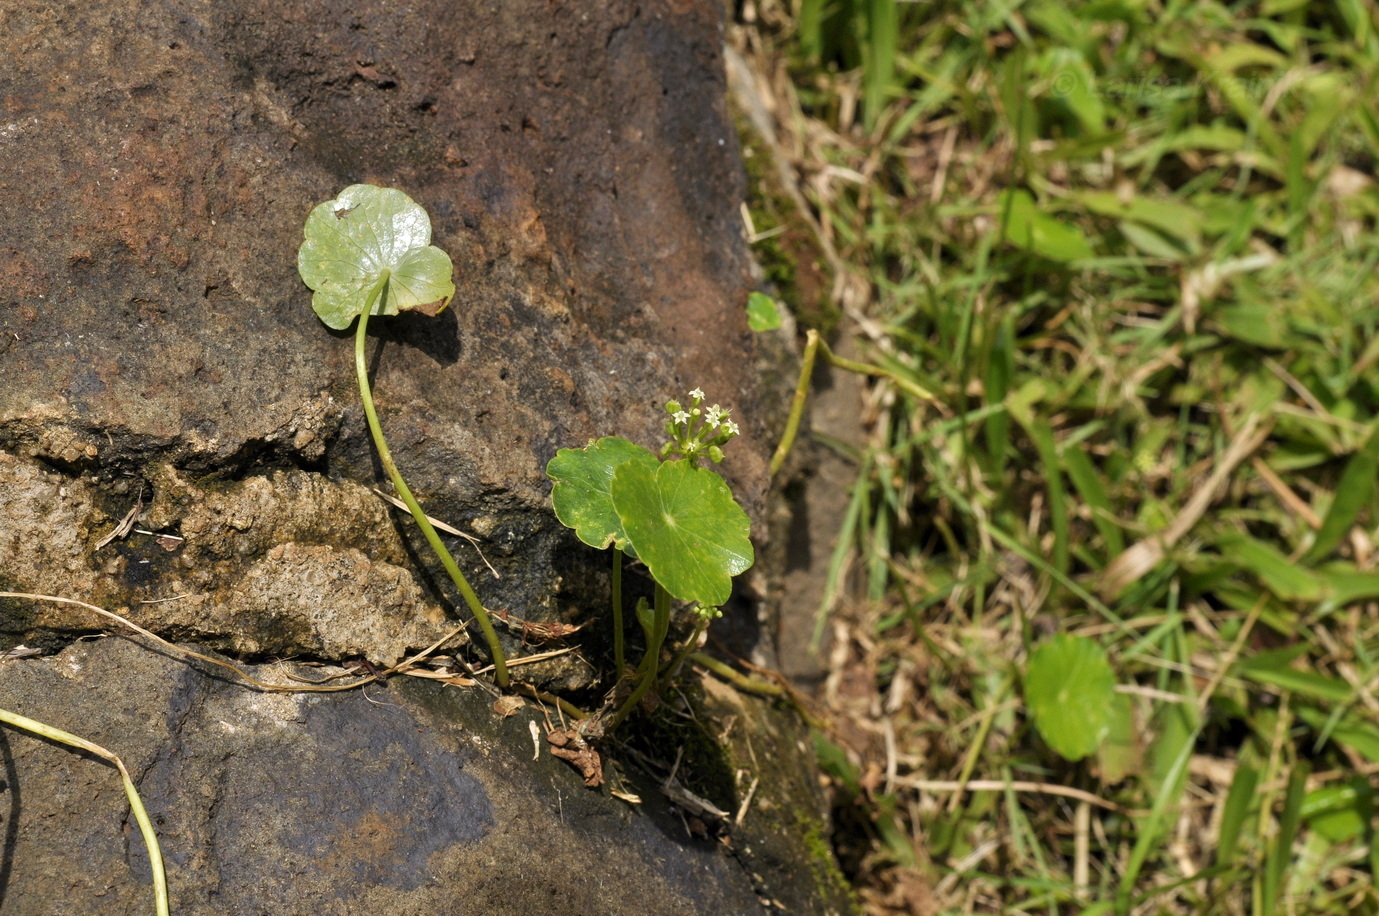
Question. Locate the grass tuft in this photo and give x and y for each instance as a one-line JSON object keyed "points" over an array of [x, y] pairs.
{"points": [[1130, 250]]}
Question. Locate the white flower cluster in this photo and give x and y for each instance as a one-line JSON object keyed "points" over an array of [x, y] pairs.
{"points": [[697, 431]]}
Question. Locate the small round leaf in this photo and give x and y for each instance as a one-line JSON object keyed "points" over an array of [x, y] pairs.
{"points": [[686, 527], [1070, 690], [761, 313], [583, 477], [349, 243]]}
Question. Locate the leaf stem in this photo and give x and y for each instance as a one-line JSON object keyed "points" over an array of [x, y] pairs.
{"points": [[761, 688], [385, 457], [912, 389], [690, 645], [617, 612], [739, 680], [646, 671], [792, 425]]}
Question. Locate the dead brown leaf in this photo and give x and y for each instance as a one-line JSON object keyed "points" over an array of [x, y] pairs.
{"points": [[569, 745]]}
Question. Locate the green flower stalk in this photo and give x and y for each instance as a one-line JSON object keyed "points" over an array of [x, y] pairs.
{"points": [[695, 432]]}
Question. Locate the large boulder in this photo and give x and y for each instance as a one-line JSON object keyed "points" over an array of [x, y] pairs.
{"points": [[414, 798], [158, 345], [160, 365]]}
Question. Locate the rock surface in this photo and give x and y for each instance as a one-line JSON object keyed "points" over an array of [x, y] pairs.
{"points": [[411, 799], [579, 168], [160, 366]]}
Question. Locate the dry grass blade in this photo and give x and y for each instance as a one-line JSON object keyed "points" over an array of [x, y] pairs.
{"points": [[238, 672], [1014, 785], [126, 524], [441, 526]]}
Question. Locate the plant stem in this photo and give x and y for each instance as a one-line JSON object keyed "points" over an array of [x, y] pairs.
{"points": [[792, 425], [904, 384], [646, 671], [617, 612], [155, 853], [813, 346], [690, 645], [737, 678], [385, 457], [748, 684]]}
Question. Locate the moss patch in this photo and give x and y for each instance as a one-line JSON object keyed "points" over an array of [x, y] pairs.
{"points": [[826, 871], [758, 752]]}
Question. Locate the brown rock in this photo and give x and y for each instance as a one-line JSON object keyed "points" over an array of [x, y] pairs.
{"points": [[163, 378], [155, 337]]}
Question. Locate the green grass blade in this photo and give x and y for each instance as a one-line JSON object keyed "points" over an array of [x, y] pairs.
{"points": [[883, 27], [1280, 854], [1285, 579], [809, 28], [1274, 669], [1353, 493], [155, 852], [1093, 492], [1352, 731], [1041, 433], [1235, 812], [1149, 831], [1000, 371]]}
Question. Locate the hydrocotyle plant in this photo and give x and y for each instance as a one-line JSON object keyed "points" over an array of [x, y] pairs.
{"points": [[369, 252], [678, 518]]}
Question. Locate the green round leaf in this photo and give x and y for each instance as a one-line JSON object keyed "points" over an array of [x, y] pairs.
{"points": [[349, 243], [581, 494], [686, 527], [761, 313], [1070, 690]]}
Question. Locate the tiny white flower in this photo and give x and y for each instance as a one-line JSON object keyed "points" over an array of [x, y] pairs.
{"points": [[730, 427], [697, 394], [715, 414], [680, 417]]}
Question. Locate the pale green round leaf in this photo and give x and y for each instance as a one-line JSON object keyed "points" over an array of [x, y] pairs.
{"points": [[762, 314], [686, 527], [1070, 690], [352, 240], [581, 494]]}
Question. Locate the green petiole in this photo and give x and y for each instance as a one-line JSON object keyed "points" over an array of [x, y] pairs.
{"points": [[617, 612], [646, 671], [815, 346], [385, 457], [690, 645]]}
